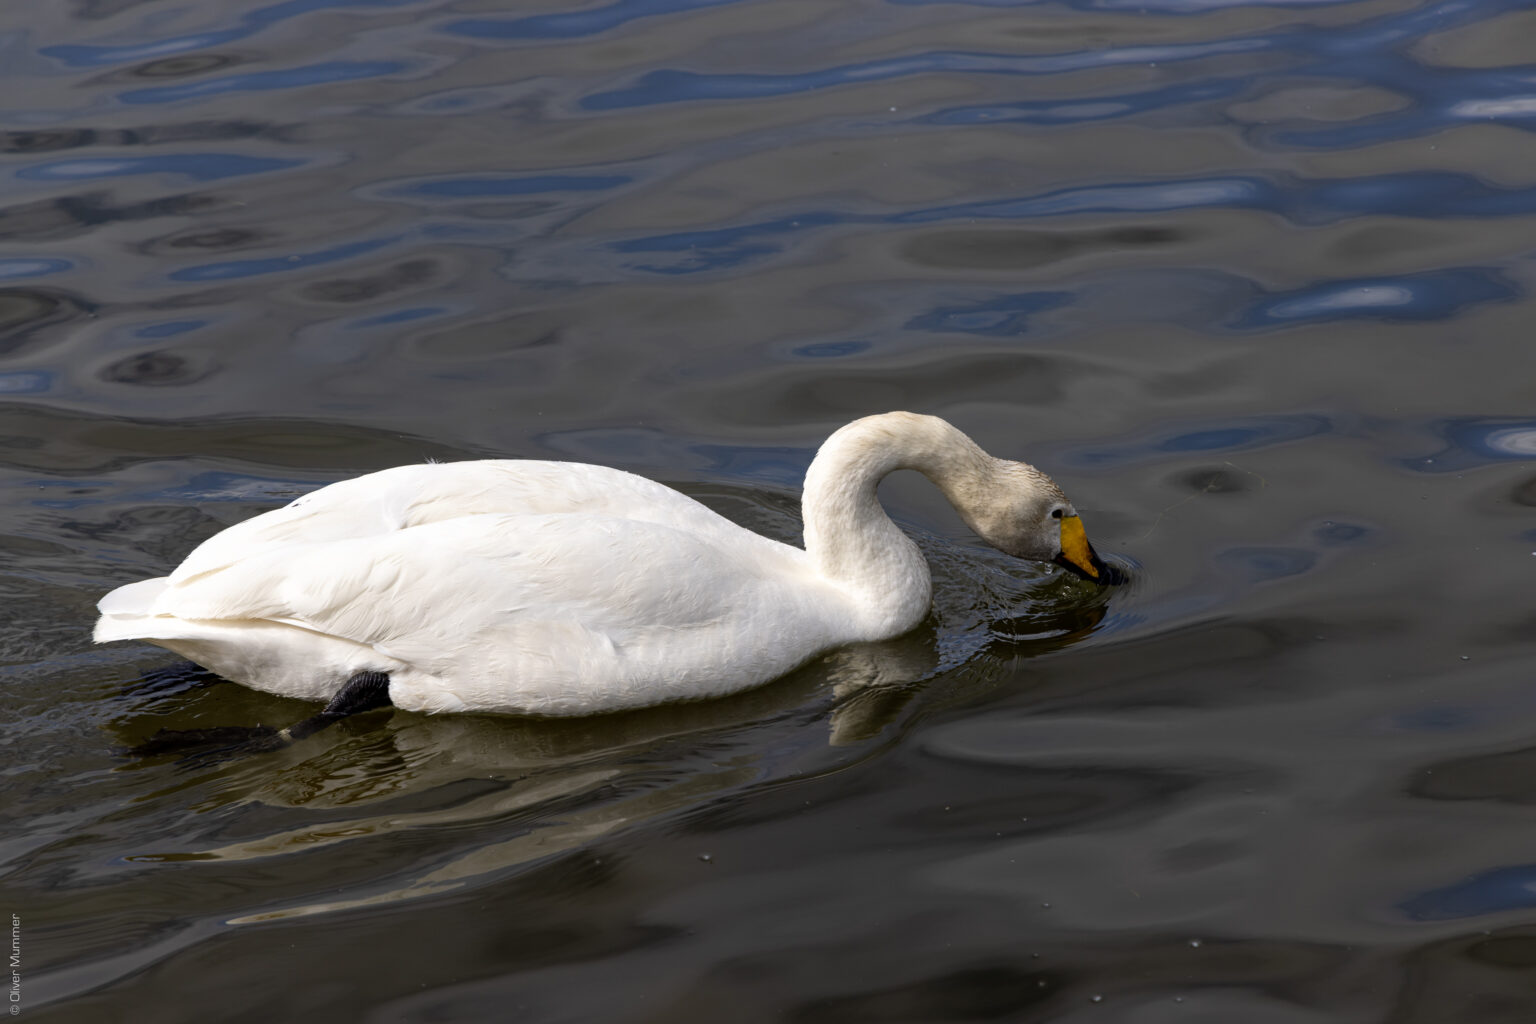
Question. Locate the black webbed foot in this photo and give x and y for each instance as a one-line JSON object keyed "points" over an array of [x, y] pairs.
{"points": [[363, 692]]}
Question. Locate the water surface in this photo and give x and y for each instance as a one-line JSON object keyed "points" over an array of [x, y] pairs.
{"points": [[1251, 281]]}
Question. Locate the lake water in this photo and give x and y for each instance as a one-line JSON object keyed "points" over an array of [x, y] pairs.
{"points": [[1251, 280]]}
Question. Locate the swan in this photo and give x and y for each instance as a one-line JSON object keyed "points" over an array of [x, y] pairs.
{"points": [[556, 588]]}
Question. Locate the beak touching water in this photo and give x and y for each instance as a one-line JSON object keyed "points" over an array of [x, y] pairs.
{"points": [[1078, 557]]}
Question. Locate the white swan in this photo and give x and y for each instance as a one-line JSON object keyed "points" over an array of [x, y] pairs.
{"points": [[551, 588]]}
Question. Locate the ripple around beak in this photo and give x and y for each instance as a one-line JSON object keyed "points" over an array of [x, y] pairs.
{"points": [[1112, 575], [1096, 571]]}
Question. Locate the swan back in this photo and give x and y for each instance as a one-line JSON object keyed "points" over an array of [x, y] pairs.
{"points": [[408, 496]]}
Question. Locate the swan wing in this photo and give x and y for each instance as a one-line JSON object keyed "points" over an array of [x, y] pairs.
{"points": [[409, 496], [543, 613]]}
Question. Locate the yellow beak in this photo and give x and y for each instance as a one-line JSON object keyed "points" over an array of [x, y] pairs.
{"points": [[1076, 553]]}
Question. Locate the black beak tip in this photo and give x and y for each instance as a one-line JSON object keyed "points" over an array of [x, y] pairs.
{"points": [[1108, 574]]}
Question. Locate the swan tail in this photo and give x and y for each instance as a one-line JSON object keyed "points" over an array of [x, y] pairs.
{"points": [[138, 611], [134, 598], [127, 613]]}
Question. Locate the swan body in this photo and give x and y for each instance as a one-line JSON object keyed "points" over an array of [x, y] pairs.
{"points": [[551, 588]]}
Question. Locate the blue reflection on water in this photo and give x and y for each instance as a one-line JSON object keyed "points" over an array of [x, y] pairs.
{"points": [[571, 24], [280, 264], [1160, 6], [1439, 719], [1472, 442], [722, 239], [1358, 54], [1303, 200], [647, 447], [1440, 99], [1367, 47], [783, 466], [1433, 295], [1368, 52], [830, 349], [509, 185], [1128, 197], [1338, 534], [1242, 434], [1090, 108], [1211, 440], [261, 81], [672, 86], [169, 328], [1259, 564], [1386, 28], [1416, 194], [247, 24], [1499, 889], [1000, 316], [399, 316], [1361, 54], [27, 382], [11, 270], [207, 486], [218, 485], [197, 166], [1378, 37]]}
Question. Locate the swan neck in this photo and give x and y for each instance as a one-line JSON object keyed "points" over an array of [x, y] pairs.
{"points": [[849, 536]]}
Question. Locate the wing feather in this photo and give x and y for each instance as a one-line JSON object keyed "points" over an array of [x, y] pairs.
{"points": [[409, 496], [505, 593]]}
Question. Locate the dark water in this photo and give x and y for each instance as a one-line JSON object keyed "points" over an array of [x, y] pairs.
{"points": [[1251, 280]]}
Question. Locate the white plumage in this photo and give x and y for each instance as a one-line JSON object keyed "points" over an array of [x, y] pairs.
{"points": [[554, 588]]}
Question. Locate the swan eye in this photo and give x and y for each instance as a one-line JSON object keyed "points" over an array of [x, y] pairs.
{"points": [[1055, 513]]}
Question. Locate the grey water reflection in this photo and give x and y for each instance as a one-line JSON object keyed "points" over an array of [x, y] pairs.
{"points": [[1252, 281]]}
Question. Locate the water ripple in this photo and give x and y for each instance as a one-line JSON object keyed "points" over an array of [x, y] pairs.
{"points": [[247, 25], [1478, 441], [1004, 315], [1315, 201], [673, 86], [229, 269], [169, 328], [573, 24], [1166, 7], [1439, 98], [481, 186], [1262, 564], [197, 166], [1229, 435], [263, 81], [1488, 892], [26, 382], [13, 269], [1076, 110], [1431, 295]]}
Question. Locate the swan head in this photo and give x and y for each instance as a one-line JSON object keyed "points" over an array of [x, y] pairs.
{"points": [[1023, 513]]}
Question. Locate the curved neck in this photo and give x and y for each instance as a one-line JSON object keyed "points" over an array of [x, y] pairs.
{"points": [[848, 535]]}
